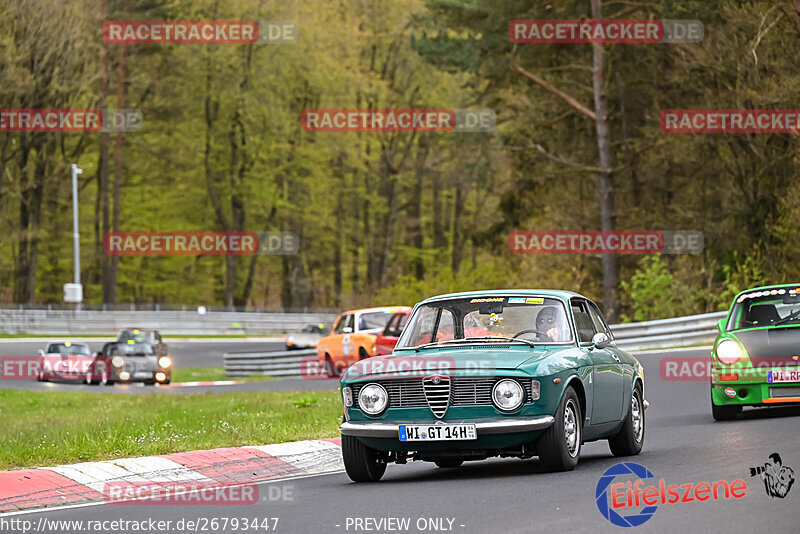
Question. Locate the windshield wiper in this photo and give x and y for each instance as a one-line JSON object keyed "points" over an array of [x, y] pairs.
{"points": [[789, 317], [467, 339]]}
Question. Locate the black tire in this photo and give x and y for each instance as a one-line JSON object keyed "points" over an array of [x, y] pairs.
{"points": [[448, 463], [556, 453], [724, 413], [361, 462], [630, 439], [362, 353]]}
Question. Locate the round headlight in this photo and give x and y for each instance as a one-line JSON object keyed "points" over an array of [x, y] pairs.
{"points": [[372, 399], [729, 351], [164, 362], [508, 395], [117, 361]]}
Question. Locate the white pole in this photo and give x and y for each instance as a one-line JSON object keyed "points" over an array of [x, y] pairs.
{"points": [[76, 243]]}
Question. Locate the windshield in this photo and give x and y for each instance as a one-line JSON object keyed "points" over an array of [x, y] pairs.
{"points": [[68, 348], [137, 336], [773, 307], [538, 319], [372, 320], [313, 329]]}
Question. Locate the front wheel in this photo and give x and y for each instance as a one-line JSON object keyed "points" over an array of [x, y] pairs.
{"points": [[560, 445], [361, 462], [724, 413], [630, 439]]}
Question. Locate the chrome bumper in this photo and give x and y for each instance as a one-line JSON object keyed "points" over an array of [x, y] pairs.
{"points": [[377, 429]]}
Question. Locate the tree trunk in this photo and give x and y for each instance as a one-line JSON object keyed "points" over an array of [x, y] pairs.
{"points": [[605, 186], [104, 166], [118, 149], [416, 238], [439, 239], [458, 207]]}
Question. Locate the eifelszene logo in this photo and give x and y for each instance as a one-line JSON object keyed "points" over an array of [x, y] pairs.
{"points": [[777, 478], [615, 498]]}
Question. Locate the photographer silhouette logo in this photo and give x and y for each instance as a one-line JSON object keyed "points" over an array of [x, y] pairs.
{"points": [[777, 478]]}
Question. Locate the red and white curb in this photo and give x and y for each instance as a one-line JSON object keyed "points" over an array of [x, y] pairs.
{"points": [[24, 489]]}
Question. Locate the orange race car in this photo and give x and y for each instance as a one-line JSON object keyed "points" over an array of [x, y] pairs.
{"points": [[353, 337]]}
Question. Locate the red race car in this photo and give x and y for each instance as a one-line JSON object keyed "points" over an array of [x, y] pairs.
{"points": [[387, 339]]}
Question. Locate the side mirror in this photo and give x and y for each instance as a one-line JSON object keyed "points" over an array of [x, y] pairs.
{"points": [[601, 340], [721, 324], [41, 352], [347, 329]]}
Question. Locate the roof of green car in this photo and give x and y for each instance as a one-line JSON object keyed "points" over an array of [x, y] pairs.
{"points": [[557, 293], [777, 286]]}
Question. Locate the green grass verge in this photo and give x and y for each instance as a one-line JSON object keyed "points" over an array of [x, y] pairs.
{"points": [[205, 374], [53, 427]]}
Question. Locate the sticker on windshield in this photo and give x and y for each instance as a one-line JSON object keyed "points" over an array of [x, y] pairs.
{"points": [[516, 300], [534, 300], [500, 299]]}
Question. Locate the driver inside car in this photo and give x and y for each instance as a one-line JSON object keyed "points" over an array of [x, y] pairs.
{"points": [[551, 322]]}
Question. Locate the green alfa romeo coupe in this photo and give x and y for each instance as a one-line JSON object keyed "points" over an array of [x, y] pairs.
{"points": [[756, 356], [509, 373]]}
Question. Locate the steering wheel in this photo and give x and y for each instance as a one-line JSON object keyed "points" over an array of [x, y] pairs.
{"points": [[538, 333]]}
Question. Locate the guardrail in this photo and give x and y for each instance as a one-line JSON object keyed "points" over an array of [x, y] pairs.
{"points": [[93, 322], [667, 333], [664, 333], [282, 364]]}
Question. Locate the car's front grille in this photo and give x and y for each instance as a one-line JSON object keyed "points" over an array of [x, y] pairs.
{"points": [[777, 393], [437, 393], [463, 391]]}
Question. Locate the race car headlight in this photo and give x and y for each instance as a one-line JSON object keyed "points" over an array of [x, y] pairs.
{"points": [[164, 362], [372, 399], [117, 361], [729, 351], [507, 395], [347, 396]]}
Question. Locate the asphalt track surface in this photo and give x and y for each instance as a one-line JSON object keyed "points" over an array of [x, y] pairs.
{"points": [[682, 445]]}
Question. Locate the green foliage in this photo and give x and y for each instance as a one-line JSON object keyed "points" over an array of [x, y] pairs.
{"points": [[655, 293], [396, 217]]}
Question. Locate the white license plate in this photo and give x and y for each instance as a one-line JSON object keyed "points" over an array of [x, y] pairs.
{"points": [[142, 374], [437, 432], [782, 376]]}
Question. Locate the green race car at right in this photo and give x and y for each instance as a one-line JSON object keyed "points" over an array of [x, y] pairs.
{"points": [[756, 356]]}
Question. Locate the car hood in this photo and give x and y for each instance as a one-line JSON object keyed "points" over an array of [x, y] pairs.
{"points": [[771, 346], [481, 360]]}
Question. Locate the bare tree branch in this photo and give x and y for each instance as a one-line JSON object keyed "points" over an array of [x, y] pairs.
{"points": [[555, 91]]}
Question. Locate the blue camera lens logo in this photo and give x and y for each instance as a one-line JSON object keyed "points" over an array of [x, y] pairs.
{"points": [[602, 498]]}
